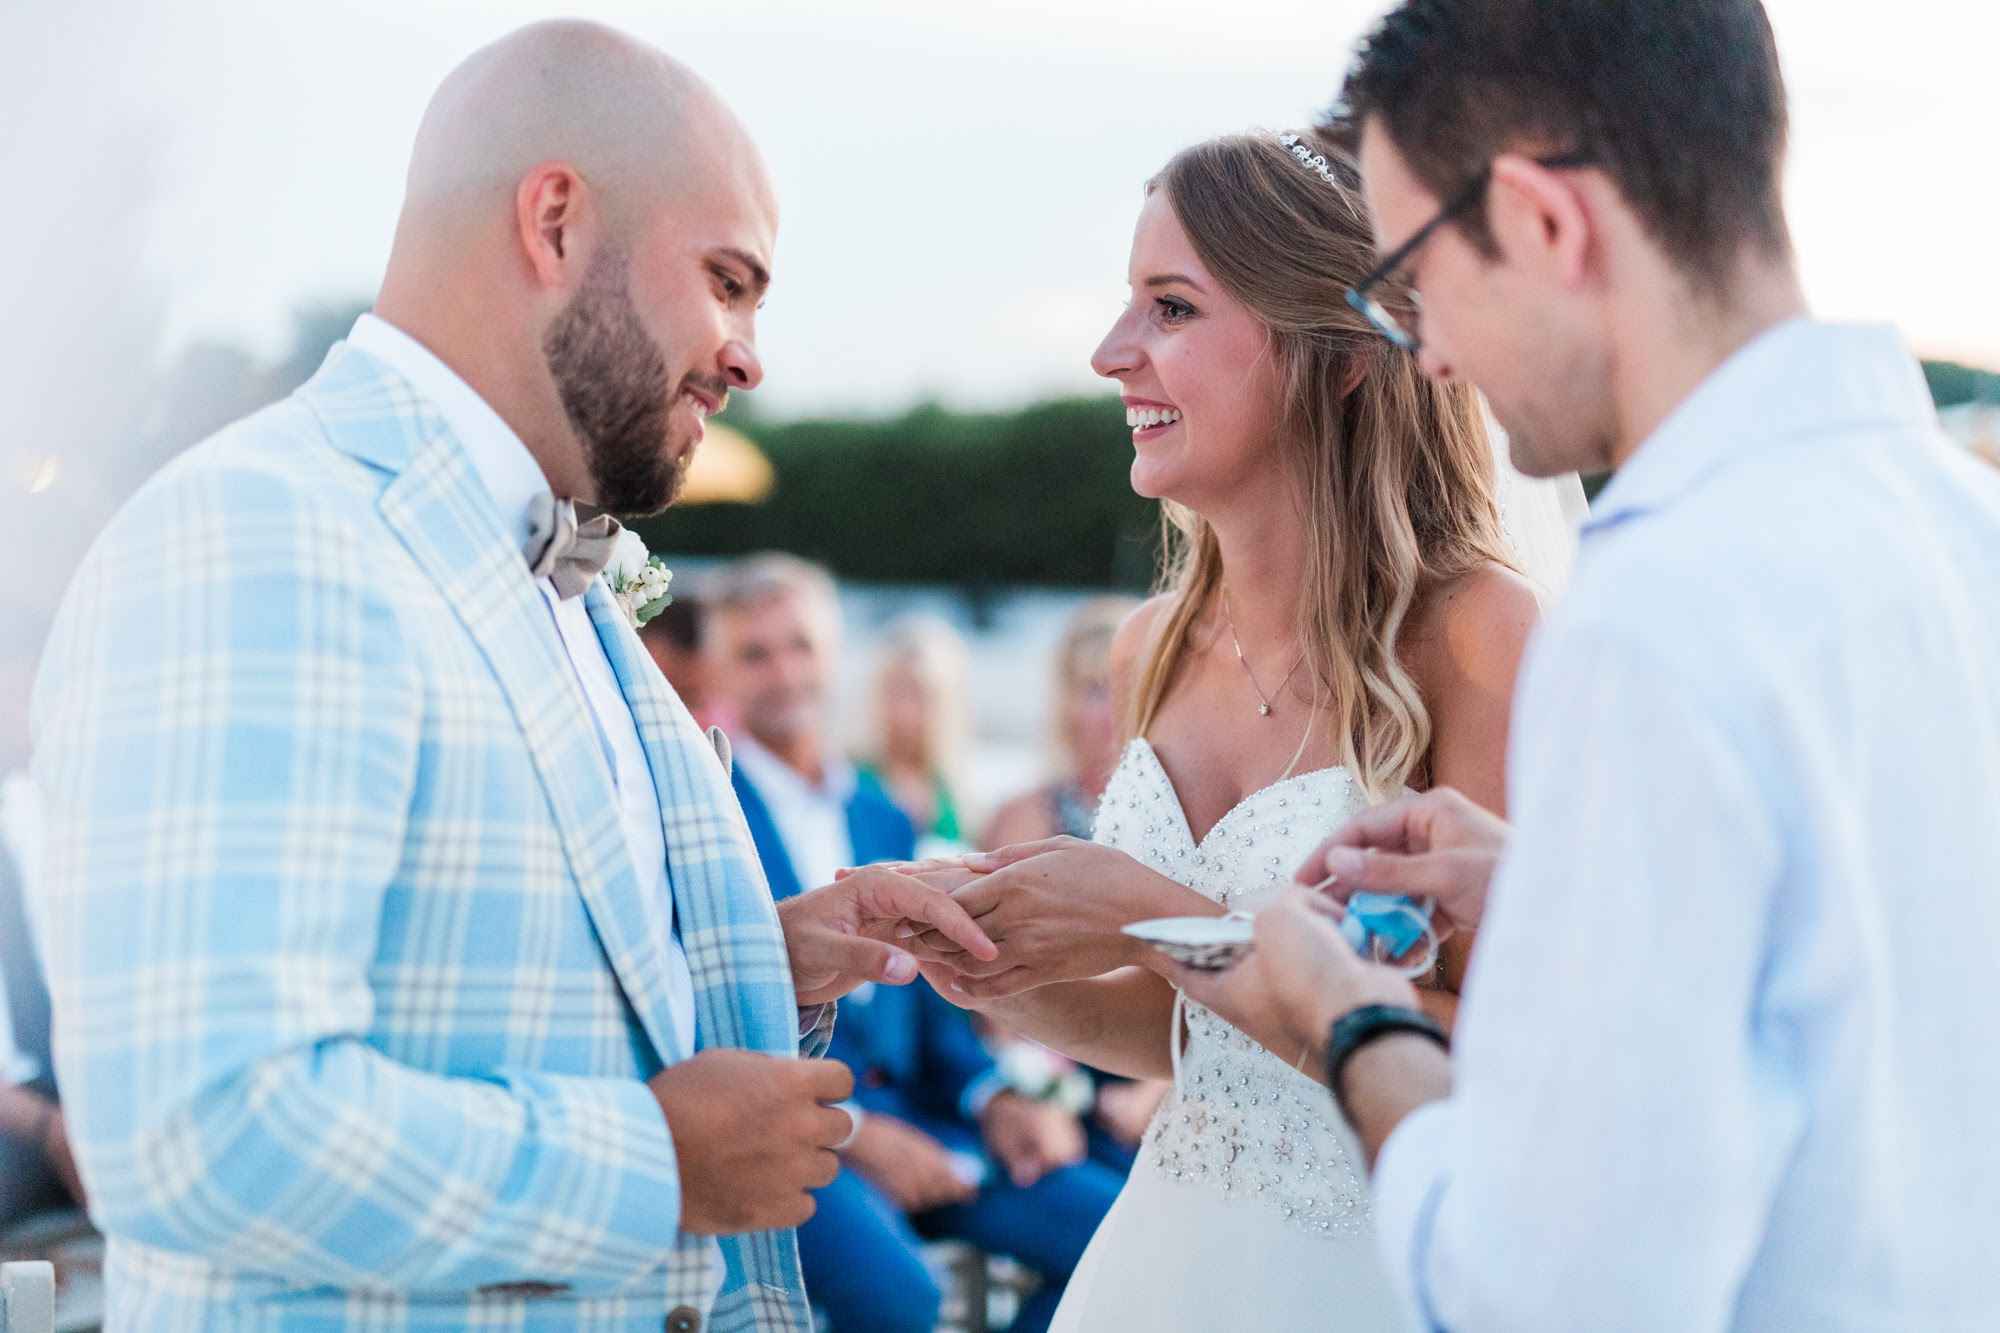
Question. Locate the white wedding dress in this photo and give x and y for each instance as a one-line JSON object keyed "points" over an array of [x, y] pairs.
{"points": [[1248, 1208]]}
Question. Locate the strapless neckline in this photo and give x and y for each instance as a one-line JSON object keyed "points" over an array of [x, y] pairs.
{"points": [[1144, 747]]}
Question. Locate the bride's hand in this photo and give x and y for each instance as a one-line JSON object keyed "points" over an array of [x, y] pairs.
{"points": [[1056, 910]]}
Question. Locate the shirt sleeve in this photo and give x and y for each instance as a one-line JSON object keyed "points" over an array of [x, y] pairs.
{"points": [[1620, 1114]]}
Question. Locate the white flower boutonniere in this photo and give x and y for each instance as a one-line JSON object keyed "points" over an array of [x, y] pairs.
{"points": [[638, 579], [1040, 1075]]}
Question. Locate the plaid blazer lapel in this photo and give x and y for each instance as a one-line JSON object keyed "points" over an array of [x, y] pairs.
{"points": [[727, 921], [442, 513]]}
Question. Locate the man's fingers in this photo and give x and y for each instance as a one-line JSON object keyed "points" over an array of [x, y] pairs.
{"points": [[859, 958], [828, 1080], [892, 895], [1385, 828], [969, 967], [1013, 981], [1429, 875], [1002, 857], [831, 1127], [934, 948]]}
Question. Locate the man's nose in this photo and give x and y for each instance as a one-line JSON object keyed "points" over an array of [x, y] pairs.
{"points": [[741, 365]]}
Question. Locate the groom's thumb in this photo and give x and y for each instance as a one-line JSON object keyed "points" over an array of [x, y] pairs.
{"points": [[863, 959]]}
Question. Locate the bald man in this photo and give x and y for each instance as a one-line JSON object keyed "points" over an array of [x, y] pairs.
{"points": [[412, 968]]}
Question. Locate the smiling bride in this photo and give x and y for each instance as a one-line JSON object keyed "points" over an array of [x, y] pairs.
{"points": [[1342, 619]]}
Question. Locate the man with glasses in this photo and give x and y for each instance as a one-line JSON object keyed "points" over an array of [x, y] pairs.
{"points": [[1725, 1058]]}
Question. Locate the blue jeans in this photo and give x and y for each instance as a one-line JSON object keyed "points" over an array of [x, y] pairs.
{"points": [[863, 1258]]}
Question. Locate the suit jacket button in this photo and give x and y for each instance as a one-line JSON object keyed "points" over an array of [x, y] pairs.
{"points": [[684, 1320]]}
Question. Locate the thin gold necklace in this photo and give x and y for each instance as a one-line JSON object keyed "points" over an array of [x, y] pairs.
{"points": [[1263, 699]]}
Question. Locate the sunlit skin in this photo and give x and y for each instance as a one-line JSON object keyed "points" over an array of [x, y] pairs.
{"points": [[1186, 345]]}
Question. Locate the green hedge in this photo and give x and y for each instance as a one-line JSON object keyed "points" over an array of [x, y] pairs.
{"points": [[1040, 495]]}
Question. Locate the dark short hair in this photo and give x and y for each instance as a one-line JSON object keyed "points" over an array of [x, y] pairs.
{"points": [[680, 624], [1680, 102]]}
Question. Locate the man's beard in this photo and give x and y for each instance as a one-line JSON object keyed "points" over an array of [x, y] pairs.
{"points": [[612, 378]]}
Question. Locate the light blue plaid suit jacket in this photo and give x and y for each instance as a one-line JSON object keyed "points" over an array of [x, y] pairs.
{"points": [[355, 988]]}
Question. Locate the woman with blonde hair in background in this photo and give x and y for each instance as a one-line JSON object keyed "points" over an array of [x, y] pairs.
{"points": [[1086, 729], [921, 720], [1340, 620]]}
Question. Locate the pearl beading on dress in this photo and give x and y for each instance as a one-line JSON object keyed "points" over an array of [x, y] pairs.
{"points": [[1242, 1121]]}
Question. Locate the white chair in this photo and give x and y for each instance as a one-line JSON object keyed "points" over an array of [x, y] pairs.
{"points": [[28, 1297]]}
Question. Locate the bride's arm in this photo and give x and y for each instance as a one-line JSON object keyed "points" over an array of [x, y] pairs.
{"points": [[1118, 1023], [1465, 653]]}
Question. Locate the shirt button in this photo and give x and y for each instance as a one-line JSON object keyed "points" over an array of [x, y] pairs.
{"points": [[684, 1320]]}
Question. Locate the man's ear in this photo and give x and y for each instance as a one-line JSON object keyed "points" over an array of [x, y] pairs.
{"points": [[548, 212], [1538, 217]]}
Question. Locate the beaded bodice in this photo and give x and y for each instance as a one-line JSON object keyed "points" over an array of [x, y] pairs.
{"points": [[1241, 1121]]}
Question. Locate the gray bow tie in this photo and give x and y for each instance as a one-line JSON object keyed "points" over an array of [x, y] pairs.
{"points": [[565, 552]]}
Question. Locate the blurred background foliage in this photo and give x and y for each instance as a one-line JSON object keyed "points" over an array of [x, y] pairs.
{"points": [[977, 501]]}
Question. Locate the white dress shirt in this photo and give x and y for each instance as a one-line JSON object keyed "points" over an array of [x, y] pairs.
{"points": [[513, 478], [1728, 1055], [811, 817]]}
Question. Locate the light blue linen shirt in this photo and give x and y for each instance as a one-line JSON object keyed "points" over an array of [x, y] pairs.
{"points": [[1727, 1056]]}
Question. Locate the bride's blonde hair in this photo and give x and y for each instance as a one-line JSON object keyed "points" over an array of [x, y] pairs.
{"points": [[1393, 471]]}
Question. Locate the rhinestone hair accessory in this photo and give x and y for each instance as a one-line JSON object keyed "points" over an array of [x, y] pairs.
{"points": [[1298, 148]]}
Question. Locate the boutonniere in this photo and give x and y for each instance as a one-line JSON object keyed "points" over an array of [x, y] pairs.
{"points": [[638, 578], [1041, 1075]]}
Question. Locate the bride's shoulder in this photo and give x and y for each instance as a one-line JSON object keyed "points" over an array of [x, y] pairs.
{"points": [[1472, 628], [1131, 643], [1135, 634]]}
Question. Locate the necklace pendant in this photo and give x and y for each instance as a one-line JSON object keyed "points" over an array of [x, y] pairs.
{"points": [[1263, 710]]}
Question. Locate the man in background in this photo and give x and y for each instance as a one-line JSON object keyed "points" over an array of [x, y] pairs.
{"points": [[942, 1148], [37, 1171]]}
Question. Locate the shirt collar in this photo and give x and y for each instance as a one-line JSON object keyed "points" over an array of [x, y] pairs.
{"points": [[774, 777], [1798, 378], [503, 464]]}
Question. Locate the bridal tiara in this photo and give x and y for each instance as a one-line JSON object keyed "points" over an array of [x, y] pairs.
{"points": [[1298, 148]]}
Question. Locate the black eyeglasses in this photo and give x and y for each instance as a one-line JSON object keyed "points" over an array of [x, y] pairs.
{"points": [[1472, 192]]}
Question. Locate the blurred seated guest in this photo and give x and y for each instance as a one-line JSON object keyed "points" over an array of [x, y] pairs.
{"points": [[1087, 746], [674, 640], [37, 1171], [920, 724], [941, 1148]]}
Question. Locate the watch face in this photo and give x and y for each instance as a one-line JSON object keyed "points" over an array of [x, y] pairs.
{"points": [[1206, 943]]}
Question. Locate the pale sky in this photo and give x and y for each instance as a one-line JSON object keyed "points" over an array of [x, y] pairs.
{"points": [[958, 182]]}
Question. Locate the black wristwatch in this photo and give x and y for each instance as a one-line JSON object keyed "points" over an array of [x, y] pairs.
{"points": [[1358, 1027]]}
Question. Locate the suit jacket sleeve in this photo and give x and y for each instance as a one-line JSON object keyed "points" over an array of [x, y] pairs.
{"points": [[954, 1057], [229, 729]]}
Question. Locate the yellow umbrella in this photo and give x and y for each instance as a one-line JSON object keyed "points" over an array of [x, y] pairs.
{"points": [[727, 468]]}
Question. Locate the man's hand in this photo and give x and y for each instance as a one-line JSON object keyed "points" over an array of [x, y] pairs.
{"points": [[1031, 1138], [1057, 910], [1301, 975], [838, 936], [1438, 845], [909, 1166], [754, 1134]]}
